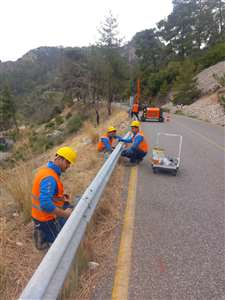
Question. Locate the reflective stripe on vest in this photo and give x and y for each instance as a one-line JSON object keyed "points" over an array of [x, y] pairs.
{"points": [[53, 199], [101, 145], [143, 146], [58, 199]]}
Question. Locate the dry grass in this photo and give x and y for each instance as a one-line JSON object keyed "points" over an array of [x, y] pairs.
{"points": [[19, 258], [3, 269], [17, 183], [100, 235], [91, 132]]}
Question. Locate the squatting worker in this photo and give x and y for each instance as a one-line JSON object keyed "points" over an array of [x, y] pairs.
{"points": [[106, 141], [50, 206], [139, 147]]}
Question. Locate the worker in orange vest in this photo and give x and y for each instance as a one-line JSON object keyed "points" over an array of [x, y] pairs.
{"points": [[139, 147], [50, 206], [105, 143], [135, 111]]}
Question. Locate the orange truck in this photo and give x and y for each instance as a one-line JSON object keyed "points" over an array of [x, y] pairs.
{"points": [[154, 114]]}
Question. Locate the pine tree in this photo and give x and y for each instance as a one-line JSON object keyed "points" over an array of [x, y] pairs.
{"points": [[7, 109], [149, 49], [164, 89], [114, 65], [185, 87]]}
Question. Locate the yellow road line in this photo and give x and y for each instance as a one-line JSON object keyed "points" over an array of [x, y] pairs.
{"points": [[121, 281], [203, 137]]}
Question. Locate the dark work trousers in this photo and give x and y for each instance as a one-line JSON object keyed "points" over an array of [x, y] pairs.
{"points": [[134, 115], [135, 156], [50, 229]]}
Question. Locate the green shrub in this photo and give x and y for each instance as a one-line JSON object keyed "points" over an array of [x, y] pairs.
{"points": [[40, 143], [13, 135], [213, 56], [59, 120], [2, 147], [185, 87], [67, 100], [222, 101], [164, 89], [74, 124], [220, 79], [50, 124]]}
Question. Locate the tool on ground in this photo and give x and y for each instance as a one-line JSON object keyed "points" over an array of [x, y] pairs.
{"points": [[160, 159]]}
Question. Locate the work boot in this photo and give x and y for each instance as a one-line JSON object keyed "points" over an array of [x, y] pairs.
{"points": [[39, 242]]}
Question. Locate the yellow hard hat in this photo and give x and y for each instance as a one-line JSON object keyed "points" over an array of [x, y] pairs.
{"points": [[135, 124], [111, 129], [67, 153]]}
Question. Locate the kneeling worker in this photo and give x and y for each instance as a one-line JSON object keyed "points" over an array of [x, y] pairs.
{"points": [[50, 208], [139, 147], [105, 143]]}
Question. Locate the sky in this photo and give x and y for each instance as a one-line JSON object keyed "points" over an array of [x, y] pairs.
{"points": [[28, 24]]}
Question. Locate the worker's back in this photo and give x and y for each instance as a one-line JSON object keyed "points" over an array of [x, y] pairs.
{"points": [[135, 108]]}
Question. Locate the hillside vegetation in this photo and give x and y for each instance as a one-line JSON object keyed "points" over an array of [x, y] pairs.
{"points": [[166, 58], [18, 256]]}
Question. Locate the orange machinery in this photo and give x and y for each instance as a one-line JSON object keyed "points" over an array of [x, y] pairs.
{"points": [[154, 114]]}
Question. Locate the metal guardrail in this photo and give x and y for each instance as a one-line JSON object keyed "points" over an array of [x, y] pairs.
{"points": [[49, 277]]}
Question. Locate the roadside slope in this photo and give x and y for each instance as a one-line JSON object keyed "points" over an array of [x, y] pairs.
{"points": [[19, 258]]}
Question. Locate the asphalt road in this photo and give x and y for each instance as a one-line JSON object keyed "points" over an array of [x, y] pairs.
{"points": [[178, 244]]}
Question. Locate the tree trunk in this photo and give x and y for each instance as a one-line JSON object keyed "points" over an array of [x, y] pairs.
{"points": [[110, 97], [109, 108], [97, 117], [15, 123], [97, 113]]}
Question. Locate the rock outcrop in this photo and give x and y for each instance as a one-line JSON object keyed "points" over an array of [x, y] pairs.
{"points": [[206, 108], [206, 79]]}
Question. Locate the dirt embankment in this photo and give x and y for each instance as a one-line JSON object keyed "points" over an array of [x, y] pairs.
{"points": [[18, 256]]}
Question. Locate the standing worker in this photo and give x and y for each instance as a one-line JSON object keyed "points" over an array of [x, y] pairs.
{"points": [[50, 206], [139, 147], [135, 111], [105, 143]]}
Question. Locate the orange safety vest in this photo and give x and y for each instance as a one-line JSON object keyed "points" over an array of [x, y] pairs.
{"points": [[143, 146], [37, 213], [135, 108], [101, 145]]}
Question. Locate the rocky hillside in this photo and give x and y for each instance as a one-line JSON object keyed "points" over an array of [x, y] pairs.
{"points": [[211, 106], [207, 82], [207, 108], [36, 84]]}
